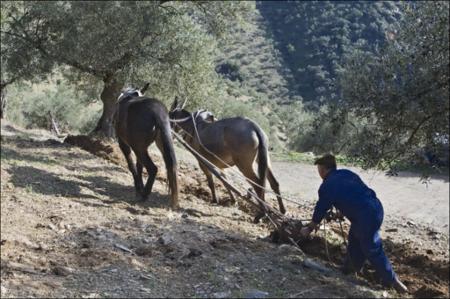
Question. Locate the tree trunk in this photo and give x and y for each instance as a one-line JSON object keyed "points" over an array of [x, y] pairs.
{"points": [[111, 91], [3, 100], [54, 125]]}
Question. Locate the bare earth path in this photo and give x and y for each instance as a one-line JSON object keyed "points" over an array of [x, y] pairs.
{"points": [[403, 196]]}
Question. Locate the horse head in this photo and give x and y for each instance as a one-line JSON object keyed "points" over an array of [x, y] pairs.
{"points": [[129, 92], [177, 113], [204, 115], [132, 92]]}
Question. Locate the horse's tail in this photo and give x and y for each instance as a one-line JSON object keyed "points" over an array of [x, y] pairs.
{"points": [[263, 158], [168, 154]]}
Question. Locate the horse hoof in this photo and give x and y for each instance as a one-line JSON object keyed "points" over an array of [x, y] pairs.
{"points": [[140, 197], [175, 207]]}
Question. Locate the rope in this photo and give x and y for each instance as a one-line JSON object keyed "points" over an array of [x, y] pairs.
{"points": [[262, 203], [326, 241]]}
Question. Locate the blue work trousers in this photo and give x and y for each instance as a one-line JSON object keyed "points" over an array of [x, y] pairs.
{"points": [[364, 243]]}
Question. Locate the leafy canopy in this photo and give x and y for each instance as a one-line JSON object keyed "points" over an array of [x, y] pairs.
{"points": [[168, 43], [401, 92]]}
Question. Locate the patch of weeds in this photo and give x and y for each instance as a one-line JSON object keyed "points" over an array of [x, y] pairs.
{"points": [[29, 188], [310, 157], [104, 295], [293, 157], [49, 161], [424, 170]]}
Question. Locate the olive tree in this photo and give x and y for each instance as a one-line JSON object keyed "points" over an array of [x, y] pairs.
{"points": [[17, 63], [400, 94], [169, 44]]}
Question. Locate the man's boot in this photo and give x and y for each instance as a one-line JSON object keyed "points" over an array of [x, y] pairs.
{"points": [[399, 286], [347, 269]]}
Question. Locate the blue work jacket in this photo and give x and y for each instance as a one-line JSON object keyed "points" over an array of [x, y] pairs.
{"points": [[346, 191]]}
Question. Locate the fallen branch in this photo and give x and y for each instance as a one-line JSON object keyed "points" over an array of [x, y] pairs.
{"points": [[303, 292]]}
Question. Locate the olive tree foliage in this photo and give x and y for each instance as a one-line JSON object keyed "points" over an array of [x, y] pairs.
{"points": [[116, 43], [399, 95], [53, 105], [26, 65]]}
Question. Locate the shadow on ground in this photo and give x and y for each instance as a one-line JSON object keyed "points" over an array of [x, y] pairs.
{"points": [[132, 258]]}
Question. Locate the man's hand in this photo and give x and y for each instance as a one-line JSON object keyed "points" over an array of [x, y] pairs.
{"points": [[339, 215], [305, 231], [331, 215]]}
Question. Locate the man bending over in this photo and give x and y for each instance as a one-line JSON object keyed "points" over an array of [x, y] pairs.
{"points": [[345, 190]]}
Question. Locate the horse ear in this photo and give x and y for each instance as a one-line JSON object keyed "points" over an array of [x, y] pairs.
{"points": [[144, 89], [174, 104]]}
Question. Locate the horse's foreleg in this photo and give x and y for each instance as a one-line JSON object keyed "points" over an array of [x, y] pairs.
{"points": [[140, 183], [276, 188], [210, 179], [126, 150], [145, 160]]}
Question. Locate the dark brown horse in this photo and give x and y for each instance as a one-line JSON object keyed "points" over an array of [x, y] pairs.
{"points": [[139, 121], [235, 141]]}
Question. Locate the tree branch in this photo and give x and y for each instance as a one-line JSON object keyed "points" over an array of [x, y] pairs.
{"points": [[37, 45], [5, 83]]}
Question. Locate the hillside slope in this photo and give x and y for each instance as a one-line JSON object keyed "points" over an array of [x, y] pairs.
{"points": [[70, 227], [314, 37], [253, 64], [255, 73]]}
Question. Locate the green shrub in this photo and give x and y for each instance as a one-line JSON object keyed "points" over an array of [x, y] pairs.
{"points": [[33, 106]]}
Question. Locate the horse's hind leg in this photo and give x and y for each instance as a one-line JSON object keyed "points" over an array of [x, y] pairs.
{"points": [[276, 188], [233, 198], [249, 173], [145, 160], [210, 179], [126, 150]]}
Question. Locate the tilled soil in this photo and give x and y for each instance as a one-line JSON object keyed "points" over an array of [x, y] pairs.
{"points": [[71, 227]]}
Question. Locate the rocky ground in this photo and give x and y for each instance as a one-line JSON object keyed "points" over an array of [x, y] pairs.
{"points": [[71, 227]]}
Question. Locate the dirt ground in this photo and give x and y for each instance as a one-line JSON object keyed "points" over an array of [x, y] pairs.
{"points": [[71, 227]]}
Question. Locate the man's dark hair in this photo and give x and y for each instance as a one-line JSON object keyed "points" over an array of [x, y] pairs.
{"points": [[328, 160]]}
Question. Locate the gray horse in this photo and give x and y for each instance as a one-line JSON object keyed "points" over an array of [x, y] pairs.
{"points": [[236, 141]]}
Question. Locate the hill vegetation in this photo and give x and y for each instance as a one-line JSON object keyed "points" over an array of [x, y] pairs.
{"points": [[313, 37]]}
